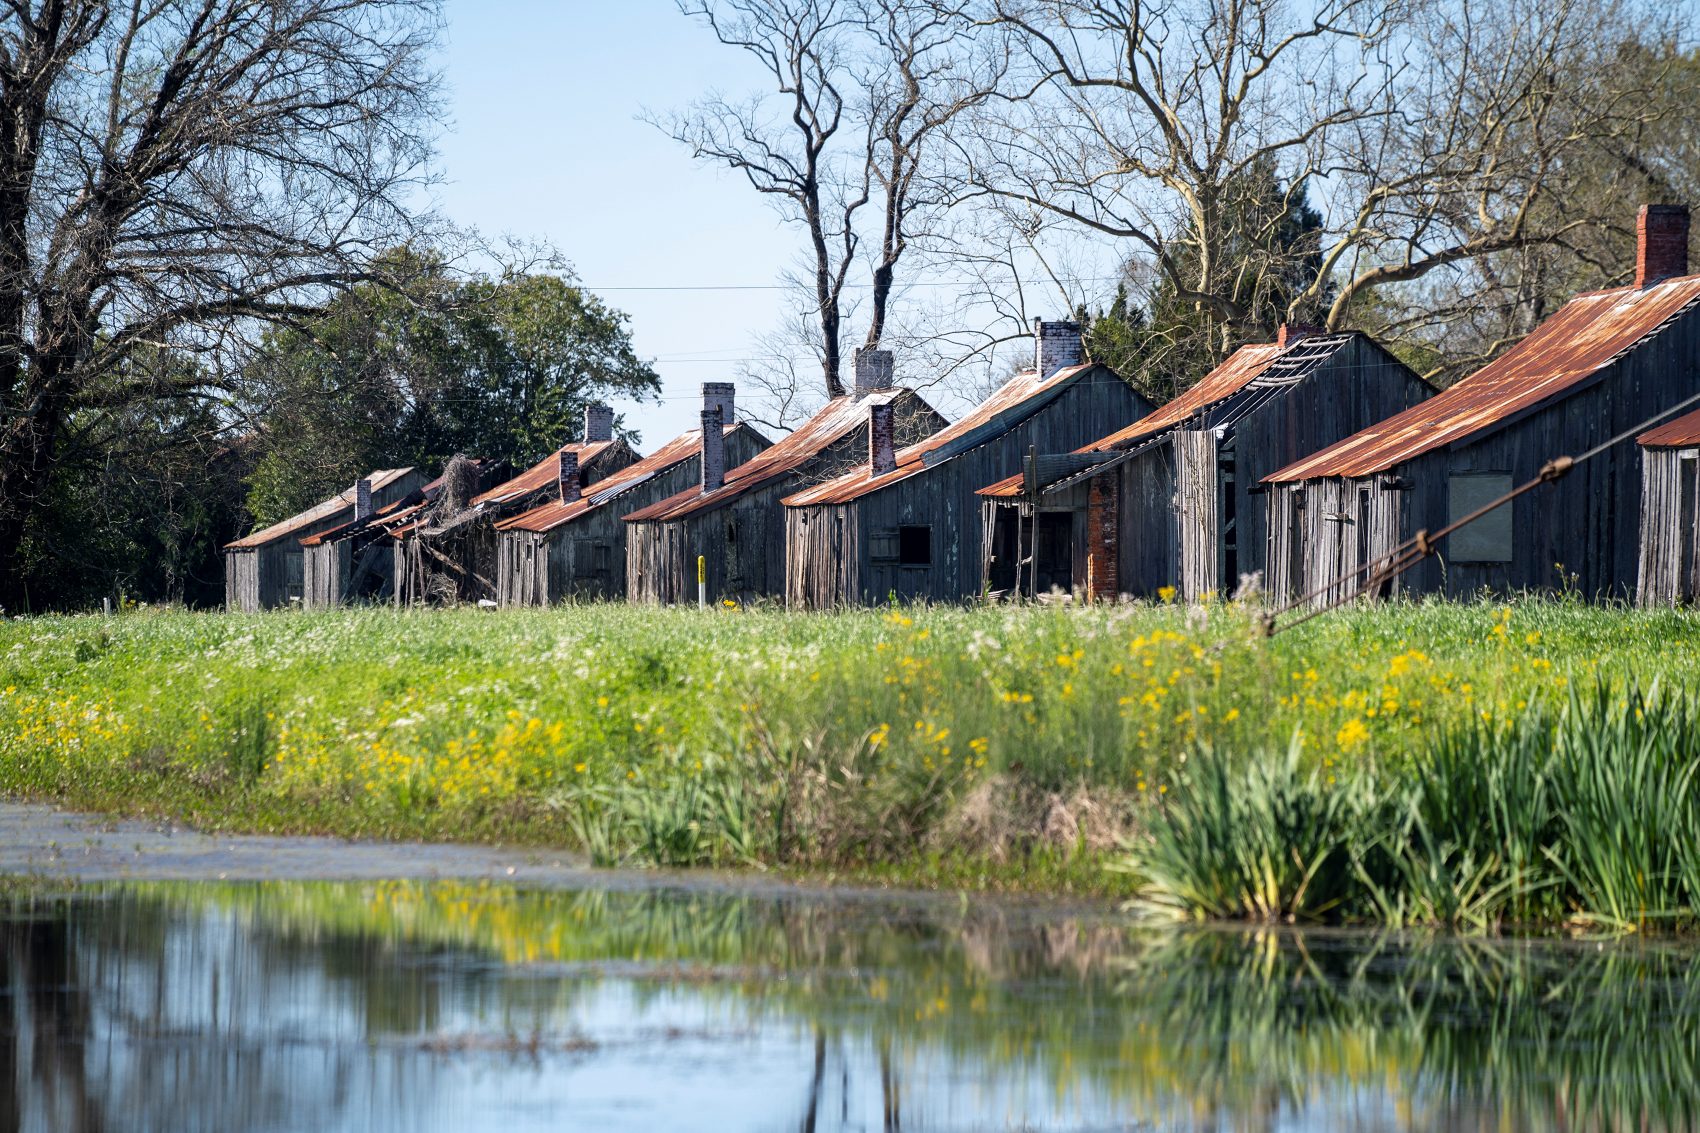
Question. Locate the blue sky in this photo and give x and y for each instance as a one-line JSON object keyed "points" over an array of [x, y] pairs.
{"points": [[544, 142]]}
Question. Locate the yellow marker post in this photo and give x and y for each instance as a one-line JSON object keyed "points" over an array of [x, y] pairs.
{"points": [[702, 581], [1091, 588]]}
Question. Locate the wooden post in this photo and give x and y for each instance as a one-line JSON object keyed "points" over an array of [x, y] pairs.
{"points": [[1033, 525], [1091, 589]]}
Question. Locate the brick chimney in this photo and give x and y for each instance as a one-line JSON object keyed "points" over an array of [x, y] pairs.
{"points": [[1055, 345], [721, 396], [882, 449], [874, 369], [598, 423], [362, 498], [713, 450], [1661, 243], [566, 476], [1289, 333]]}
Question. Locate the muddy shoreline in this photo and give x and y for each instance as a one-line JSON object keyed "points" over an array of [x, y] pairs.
{"points": [[45, 842]]}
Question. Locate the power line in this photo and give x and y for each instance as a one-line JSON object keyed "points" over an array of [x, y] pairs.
{"points": [[792, 287]]}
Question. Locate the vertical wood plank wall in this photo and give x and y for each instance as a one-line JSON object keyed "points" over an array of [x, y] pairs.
{"points": [[1670, 553], [828, 547]]}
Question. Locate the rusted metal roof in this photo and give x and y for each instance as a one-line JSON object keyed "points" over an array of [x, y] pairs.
{"points": [[318, 513], [1684, 432], [549, 516], [386, 516], [1014, 402], [543, 474], [836, 420], [1562, 356], [1239, 371]]}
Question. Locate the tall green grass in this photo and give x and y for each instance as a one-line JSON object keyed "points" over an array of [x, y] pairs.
{"points": [[1583, 810], [908, 742]]}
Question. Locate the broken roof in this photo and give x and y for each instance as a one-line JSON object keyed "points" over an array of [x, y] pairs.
{"points": [[318, 513], [390, 513], [553, 514], [1257, 371], [1565, 354], [1014, 402], [541, 475], [836, 420], [1684, 432]]}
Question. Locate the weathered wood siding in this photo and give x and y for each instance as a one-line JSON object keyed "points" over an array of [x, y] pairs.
{"points": [[1581, 533], [585, 559], [273, 575], [1358, 385], [1197, 514], [325, 574], [1669, 572], [942, 499], [823, 560], [743, 542], [1331, 536], [1149, 556], [349, 571]]}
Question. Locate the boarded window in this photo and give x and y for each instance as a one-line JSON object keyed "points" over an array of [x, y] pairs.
{"points": [[883, 545], [915, 546], [1488, 539]]}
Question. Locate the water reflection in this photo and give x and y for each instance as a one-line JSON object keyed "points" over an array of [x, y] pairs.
{"points": [[442, 1006]]}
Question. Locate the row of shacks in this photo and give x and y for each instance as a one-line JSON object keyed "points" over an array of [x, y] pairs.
{"points": [[1295, 466]]}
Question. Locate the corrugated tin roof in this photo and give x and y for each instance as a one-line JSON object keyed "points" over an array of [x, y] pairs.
{"points": [[836, 420], [555, 514], [1561, 356], [1684, 432], [1258, 365], [387, 515], [318, 513], [1013, 402], [541, 475]]}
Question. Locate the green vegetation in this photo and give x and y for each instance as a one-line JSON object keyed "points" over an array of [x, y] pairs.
{"points": [[1462, 764], [1461, 1033]]}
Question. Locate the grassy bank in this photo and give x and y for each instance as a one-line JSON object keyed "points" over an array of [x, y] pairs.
{"points": [[987, 748]]}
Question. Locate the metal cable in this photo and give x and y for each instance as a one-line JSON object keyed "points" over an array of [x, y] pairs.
{"points": [[1420, 546]]}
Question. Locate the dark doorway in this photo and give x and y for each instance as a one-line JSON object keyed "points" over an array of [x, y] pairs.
{"points": [[1056, 551], [1006, 550]]}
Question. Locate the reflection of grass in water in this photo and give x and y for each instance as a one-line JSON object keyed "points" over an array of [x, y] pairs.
{"points": [[1207, 1021]]}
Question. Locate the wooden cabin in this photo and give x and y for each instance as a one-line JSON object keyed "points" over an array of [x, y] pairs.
{"points": [[354, 564], [1669, 573], [1171, 501], [576, 547], [906, 522], [1601, 366], [266, 569], [447, 553], [735, 521]]}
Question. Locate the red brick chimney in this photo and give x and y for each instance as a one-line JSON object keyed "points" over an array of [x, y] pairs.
{"points": [[1661, 243], [882, 449], [1289, 333]]}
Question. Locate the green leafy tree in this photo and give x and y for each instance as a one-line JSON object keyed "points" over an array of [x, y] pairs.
{"points": [[499, 367], [1163, 342]]}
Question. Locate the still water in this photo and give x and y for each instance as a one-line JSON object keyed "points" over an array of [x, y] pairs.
{"points": [[461, 1006]]}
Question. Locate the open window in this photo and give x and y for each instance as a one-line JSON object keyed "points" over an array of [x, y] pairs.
{"points": [[1487, 539], [915, 545]]}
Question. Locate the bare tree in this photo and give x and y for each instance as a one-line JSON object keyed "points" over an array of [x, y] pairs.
{"points": [[171, 170], [1431, 133], [861, 91]]}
